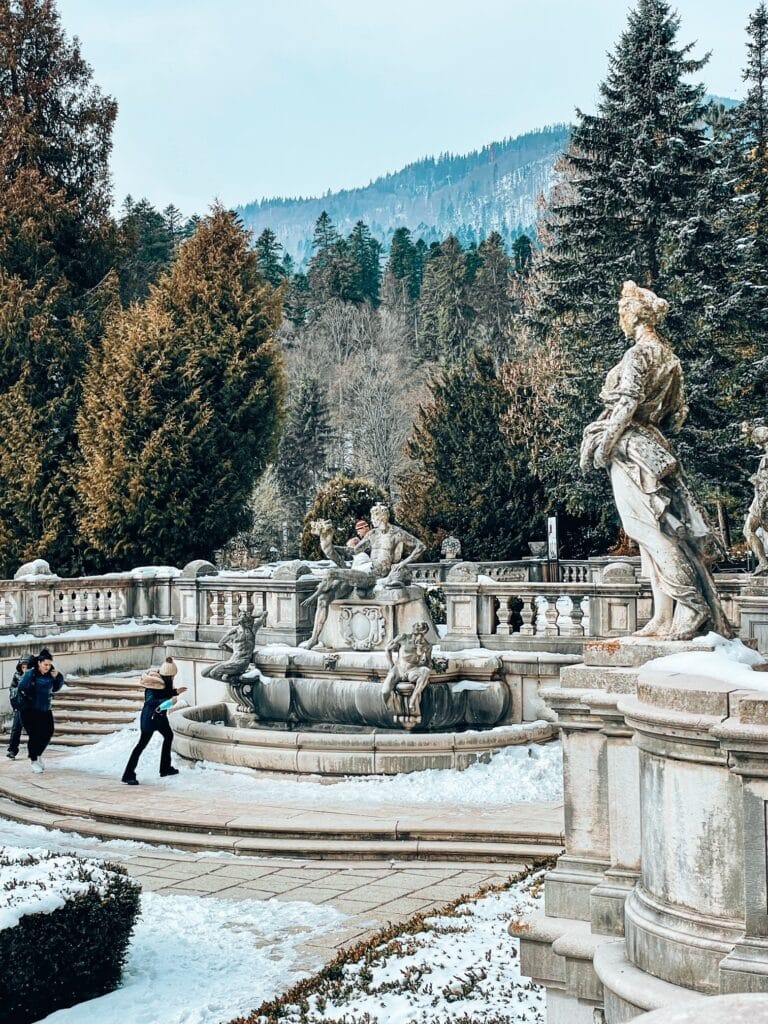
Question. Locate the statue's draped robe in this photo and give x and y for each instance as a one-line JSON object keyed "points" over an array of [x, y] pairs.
{"points": [[656, 507]]}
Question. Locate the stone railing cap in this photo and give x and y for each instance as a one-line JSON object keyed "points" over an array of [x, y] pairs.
{"points": [[198, 567]]}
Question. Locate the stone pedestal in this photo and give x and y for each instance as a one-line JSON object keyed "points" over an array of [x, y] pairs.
{"points": [[368, 624]]}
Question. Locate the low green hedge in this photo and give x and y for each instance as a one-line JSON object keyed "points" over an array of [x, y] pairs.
{"points": [[50, 960]]}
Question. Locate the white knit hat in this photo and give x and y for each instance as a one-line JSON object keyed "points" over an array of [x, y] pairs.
{"points": [[168, 668]]}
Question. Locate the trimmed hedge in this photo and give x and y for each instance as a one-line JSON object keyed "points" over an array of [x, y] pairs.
{"points": [[74, 953]]}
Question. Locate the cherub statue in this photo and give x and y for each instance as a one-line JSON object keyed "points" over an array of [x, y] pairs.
{"points": [[757, 516], [241, 641], [410, 657], [385, 543]]}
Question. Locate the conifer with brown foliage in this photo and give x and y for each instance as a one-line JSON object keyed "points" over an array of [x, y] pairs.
{"points": [[180, 411], [55, 246]]}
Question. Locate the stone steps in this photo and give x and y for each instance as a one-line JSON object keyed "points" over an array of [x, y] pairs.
{"points": [[293, 842], [91, 707]]}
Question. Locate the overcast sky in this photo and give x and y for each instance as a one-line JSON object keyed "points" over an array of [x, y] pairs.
{"points": [[239, 99]]}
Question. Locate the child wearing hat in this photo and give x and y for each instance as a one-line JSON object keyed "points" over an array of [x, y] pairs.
{"points": [[158, 688]]}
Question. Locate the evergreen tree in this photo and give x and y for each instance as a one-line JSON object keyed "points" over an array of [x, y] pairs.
{"points": [[522, 255], [180, 411], [303, 448], [56, 248], [467, 479], [745, 142], [343, 500], [446, 314], [269, 250], [146, 247], [403, 270], [490, 295], [628, 206], [366, 254]]}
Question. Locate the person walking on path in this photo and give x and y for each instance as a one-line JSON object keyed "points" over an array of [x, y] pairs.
{"points": [[36, 687], [15, 739], [158, 688]]}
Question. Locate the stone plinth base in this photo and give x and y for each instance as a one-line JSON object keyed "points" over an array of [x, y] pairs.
{"points": [[368, 624], [214, 733]]}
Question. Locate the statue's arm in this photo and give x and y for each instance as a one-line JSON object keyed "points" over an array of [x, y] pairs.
{"points": [[417, 546], [615, 425], [229, 635], [392, 646]]}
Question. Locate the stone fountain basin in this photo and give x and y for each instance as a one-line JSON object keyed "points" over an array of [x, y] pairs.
{"points": [[218, 733], [447, 704]]}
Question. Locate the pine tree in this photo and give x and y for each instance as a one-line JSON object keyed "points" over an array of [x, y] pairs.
{"points": [[627, 207], [522, 255], [446, 314], [402, 272], [303, 450], [745, 142], [490, 296], [467, 479], [269, 250], [146, 247], [366, 254], [180, 411], [55, 253]]}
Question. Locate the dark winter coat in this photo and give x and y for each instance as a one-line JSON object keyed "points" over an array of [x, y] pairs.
{"points": [[37, 689], [157, 689]]}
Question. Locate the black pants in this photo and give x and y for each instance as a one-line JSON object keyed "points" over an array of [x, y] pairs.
{"points": [[15, 737], [150, 724], [39, 729]]}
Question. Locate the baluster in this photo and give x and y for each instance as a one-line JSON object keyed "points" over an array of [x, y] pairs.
{"points": [[214, 609], [551, 615], [504, 616], [527, 614], [3, 613], [227, 608], [577, 615]]}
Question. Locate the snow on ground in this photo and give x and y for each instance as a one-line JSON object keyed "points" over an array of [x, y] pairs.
{"points": [[520, 774], [205, 961], [464, 966], [38, 839]]}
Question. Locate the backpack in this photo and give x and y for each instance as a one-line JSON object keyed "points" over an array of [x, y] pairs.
{"points": [[21, 699]]}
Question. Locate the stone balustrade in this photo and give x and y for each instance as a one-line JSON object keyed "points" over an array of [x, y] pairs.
{"points": [[44, 604]]}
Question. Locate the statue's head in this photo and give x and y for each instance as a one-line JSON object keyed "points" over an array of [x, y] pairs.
{"points": [[420, 628], [245, 618], [640, 306], [379, 514]]}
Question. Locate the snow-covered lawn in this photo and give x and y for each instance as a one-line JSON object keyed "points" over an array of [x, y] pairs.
{"points": [[514, 775], [204, 961], [459, 968]]}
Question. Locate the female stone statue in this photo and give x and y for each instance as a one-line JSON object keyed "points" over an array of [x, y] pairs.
{"points": [[644, 399]]}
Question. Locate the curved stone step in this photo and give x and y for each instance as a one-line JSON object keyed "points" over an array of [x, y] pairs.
{"points": [[90, 704], [73, 693], [74, 714], [153, 815]]}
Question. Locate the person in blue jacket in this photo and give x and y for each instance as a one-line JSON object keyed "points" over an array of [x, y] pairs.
{"points": [[15, 738], [158, 688], [36, 687]]}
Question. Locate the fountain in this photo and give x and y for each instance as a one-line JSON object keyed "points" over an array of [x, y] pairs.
{"points": [[369, 691]]}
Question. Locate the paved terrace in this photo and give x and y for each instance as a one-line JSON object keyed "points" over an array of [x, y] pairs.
{"points": [[376, 865]]}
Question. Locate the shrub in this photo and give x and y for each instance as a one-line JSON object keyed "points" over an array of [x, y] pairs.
{"points": [[343, 501], [65, 924]]}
